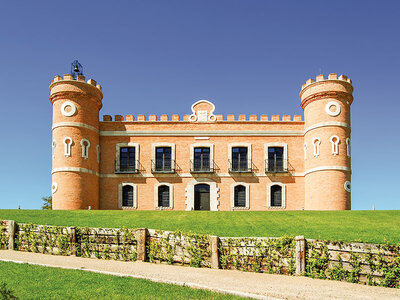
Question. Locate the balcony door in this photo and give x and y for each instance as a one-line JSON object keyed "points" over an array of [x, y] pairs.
{"points": [[163, 159], [239, 158], [201, 159]]}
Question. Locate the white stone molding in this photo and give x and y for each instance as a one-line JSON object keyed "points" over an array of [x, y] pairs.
{"points": [[98, 153], [67, 146], [54, 187], [72, 110], [327, 168], [75, 169], [347, 186], [316, 142], [155, 145], [328, 110], [214, 193], [85, 148], [207, 145], [206, 133], [53, 149], [247, 186], [202, 115], [171, 195], [73, 124], [120, 187], [305, 151], [285, 153], [232, 145], [117, 153], [335, 144], [326, 124], [348, 143], [283, 186]]}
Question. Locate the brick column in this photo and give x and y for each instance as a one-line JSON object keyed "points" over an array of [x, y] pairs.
{"points": [[141, 237], [214, 243], [300, 255]]}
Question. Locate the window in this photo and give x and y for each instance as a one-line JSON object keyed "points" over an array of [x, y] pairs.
{"points": [[240, 196], [201, 159], [275, 159], [316, 143], [348, 143], [67, 146], [53, 149], [163, 159], [335, 144], [85, 148], [276, 195], [239, 160], [163, 196], [127, 159], [127, 196]]}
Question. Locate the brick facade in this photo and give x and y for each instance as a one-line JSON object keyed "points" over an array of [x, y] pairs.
{"points": [[310, 168]]}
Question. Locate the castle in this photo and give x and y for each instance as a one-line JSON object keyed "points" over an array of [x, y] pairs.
{"points": [[204, 161]]}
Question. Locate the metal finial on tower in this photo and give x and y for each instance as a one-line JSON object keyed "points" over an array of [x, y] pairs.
{"points": [[76, 69]]}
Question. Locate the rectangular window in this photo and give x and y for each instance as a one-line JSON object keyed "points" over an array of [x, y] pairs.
{"points": [[240, 196], [127, 159], [239, 159], [163, 159], [163, 196], [201, 159], [127, 196], [275, 159]]}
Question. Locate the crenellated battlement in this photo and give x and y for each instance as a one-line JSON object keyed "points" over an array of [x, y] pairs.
{"points": [[219, 118], [321, 77], [81, 78]]}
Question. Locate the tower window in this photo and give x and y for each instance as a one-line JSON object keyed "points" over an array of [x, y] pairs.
{"points": [[335, 144], [67, 146], [316, 143], [85, 148]]}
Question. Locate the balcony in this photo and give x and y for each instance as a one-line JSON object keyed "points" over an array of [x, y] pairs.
{"points": [[163, 166], [202, 166], [129, 168], [240, 166], [277, 166]]}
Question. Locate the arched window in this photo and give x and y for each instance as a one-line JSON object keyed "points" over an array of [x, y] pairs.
{"points": [[163, 196], [127, 196], [53, 149], [276, 196], [348, 143], [85, 148], [240, 196], [335, 144], [316, 143], [67, 146]]}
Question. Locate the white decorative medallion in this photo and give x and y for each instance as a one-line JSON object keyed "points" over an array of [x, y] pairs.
{"points": [[68, 109], [347, 186], [202, 111], [336, 110], [54, 187]]}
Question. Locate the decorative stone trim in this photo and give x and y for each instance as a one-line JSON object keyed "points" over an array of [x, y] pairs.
{"points": [[53, 149], [232, 145], [285, 152], [347, 186], [64, 109], [327, 168], [283, 186], [214, 195], [247, 186], [85, 148], [120, 186], [348, 143], [202, 115], [171, 195], [335, 144], [316, 143], [67, 146], [117, 152], [74, 169], [326, 124], [98, 153], [337, 110], [54, 187], [207, 133], [73, 124]]}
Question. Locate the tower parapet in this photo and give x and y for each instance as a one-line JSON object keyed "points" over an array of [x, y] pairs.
{"points": [[76, 147], [327, 152]]}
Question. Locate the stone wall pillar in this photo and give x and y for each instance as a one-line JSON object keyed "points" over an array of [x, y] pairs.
{"points": [[300, 255], [214, 243], [141, 237]]}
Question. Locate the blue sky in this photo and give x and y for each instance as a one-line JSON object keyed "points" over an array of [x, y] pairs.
{"points": [[248, 57]]}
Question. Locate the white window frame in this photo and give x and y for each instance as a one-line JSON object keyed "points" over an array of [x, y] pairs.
{"points": [[214, 193], [247, 205], [335, 145], [348, 143], [155, 145], [53, 149], [120, 187], [67, 146], [316, 143], [98, 153], [171, 195], [283, 186], [118, 153], [85, 149], [285, 153]]}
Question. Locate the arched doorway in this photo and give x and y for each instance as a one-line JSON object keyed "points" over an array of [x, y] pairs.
{"points": [[201, 197]]}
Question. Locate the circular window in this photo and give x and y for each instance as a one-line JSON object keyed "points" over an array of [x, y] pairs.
{"points": [[347, 186], [68, 109], [332, 108], [54, 187]]}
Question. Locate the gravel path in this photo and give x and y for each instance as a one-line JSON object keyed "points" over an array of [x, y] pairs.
{"points": [[254, 285]]}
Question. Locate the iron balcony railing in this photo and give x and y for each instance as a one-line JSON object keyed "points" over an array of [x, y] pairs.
{"points": [[202, 166], [277, 166], [131, 167], [163, 166], [240, 166]]}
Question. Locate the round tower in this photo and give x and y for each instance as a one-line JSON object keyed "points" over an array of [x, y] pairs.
{"points": [[75, 145], [327, 145]]}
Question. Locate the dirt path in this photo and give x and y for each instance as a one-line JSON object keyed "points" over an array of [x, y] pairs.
{"points": [[254, 285]]}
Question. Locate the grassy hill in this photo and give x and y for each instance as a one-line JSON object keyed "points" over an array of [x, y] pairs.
{"points": [[366, 226]]}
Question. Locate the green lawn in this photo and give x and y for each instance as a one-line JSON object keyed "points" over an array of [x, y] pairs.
{"points": [[35, 282], [366, 226]]}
